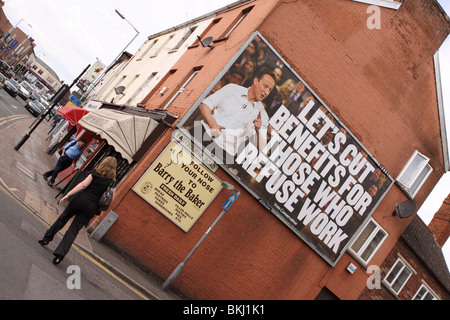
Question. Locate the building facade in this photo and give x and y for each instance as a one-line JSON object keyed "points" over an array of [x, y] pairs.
{"points": [[15, 45], [313, 216], [414, 270], [39, 71], [150, 63]]}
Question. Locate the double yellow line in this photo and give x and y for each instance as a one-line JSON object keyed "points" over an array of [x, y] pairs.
{"points": [[76, 247], [13, 118]]}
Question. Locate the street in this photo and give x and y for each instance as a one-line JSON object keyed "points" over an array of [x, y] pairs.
{"points": [[26, 268]]}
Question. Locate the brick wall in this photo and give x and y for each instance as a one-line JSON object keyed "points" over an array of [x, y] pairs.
{"points": [[421, 275], [380, 83], [440, 225]]}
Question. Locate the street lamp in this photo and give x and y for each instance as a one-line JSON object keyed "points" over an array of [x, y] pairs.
{"points": [[23, 21], [100, 77], [225, 207]]}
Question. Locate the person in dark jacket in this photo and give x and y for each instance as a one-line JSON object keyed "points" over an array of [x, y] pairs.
{"points": [[84, 206]]}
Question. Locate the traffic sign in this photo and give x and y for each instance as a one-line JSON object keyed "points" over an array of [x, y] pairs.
{"points": [[229, 201]]}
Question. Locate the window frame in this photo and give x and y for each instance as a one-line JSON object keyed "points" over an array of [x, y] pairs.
{"points": [[183, 39], [407, 186], [182, 88], [428, 291], [366, 244], [242, 15], [390, 284]]}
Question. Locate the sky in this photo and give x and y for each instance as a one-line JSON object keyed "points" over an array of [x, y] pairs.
{"points": [[71, 34]]}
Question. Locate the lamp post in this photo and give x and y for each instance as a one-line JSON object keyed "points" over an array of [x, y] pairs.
{"points": [[225, 207], [100, 77]]}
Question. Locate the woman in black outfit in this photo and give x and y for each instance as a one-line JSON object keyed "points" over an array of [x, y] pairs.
{"points": [[84, 206]]}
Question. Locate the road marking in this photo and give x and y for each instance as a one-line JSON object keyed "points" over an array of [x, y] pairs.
{"points": [[75, 246], [12, 118]]}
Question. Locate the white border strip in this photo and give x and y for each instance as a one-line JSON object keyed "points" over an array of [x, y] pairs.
{"points": [[382, 3]]}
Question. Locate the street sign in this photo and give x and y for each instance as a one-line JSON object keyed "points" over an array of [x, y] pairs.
{"points": [[13, 44], [229, 201]]}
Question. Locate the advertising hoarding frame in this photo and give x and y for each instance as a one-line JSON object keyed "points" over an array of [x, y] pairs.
{"points": [[273, 210]]}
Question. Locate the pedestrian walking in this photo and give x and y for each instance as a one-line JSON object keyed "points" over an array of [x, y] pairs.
{"points": [[70, 154], [84, 206]]}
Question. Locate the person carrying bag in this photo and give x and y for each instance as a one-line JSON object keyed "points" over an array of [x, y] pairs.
{"points": [[83, 204]]}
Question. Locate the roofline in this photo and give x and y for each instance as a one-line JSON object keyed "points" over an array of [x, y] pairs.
{"points": [[232, 6], [425, 264], [440, 101]]}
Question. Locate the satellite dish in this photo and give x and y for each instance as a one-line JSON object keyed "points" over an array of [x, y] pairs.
{"points": [[120, 90], [405, 209], [206, 42]]}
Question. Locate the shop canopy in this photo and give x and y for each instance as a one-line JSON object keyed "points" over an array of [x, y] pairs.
{"points": [[72, 114], [124, 131]]}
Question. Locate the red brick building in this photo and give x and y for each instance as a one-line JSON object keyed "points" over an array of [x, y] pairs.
{"points": [[415, 268], [373, 73], [16, 46]]}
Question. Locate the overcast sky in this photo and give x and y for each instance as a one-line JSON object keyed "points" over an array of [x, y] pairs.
{"points": [[69, 35]]}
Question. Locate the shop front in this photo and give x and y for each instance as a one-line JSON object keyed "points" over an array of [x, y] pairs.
{"points": [[123, 132]]}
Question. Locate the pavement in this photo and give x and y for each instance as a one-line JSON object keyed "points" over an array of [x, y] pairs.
{"points": [[21, 174]]}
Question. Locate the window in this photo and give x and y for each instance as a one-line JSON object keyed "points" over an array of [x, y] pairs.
{"points": [[162, 46], [205, 32], [183, 39], [424, 294], [237, 22], [182, 88], [148, 49], [141, 87], [397, 276], [414, 173], [368, 241]]}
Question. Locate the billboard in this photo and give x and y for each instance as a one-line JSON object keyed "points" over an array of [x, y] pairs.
{"points": [[178, 186], [264, 125]]}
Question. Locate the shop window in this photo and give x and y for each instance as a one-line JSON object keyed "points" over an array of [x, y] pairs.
{"points": [[424, 293], [368, 242], [397, 276], [414, 174]]}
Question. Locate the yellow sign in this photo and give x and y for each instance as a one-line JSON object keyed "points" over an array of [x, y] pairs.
{"points": [[178, 186]]}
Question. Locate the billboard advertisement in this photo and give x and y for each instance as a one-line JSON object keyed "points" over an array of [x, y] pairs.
{"points": [[264, 125]]}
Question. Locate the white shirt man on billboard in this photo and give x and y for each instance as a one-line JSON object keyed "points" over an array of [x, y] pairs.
{"points": [[234, 113]]}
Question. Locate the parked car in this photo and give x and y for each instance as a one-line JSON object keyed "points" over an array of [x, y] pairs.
{"points": [[12, 87], [36, 96], [34, 107], [24, 93]]}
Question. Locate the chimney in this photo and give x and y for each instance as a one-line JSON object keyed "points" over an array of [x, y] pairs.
{"points": [[440, 225]]}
